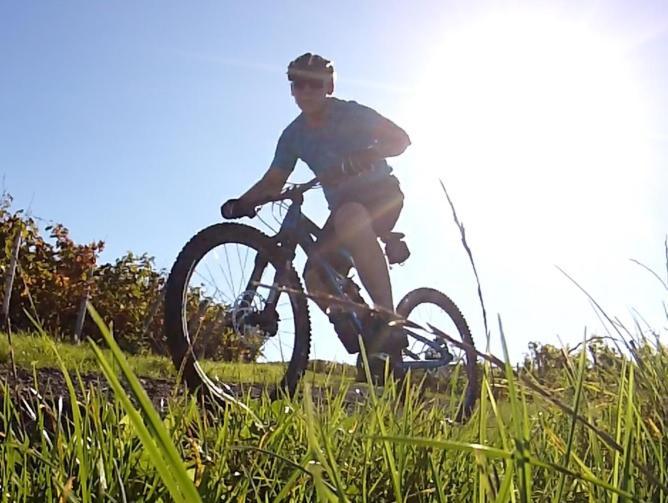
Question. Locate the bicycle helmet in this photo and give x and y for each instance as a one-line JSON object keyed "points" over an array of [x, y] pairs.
{"points": [[308, 66]]}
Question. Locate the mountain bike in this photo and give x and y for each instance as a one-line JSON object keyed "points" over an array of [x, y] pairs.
{"points": [[234, 290]]}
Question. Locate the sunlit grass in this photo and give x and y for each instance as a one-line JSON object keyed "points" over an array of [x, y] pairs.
{"points": [[35, 350], [518, 446]]}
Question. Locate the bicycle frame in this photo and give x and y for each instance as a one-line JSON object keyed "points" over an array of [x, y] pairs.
{"points": [[298, 230]]}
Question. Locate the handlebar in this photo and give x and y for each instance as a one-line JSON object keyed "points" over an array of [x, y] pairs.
{"points": [[232, 208], [295, 192], [333, 175]]}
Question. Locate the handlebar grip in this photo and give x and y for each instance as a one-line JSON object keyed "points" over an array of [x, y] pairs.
{"points": [[234, 208]]}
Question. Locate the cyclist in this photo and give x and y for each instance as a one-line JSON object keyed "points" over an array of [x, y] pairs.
{"points": [[345, 145]]}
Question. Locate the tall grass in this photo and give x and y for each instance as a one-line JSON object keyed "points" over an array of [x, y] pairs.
{"points": [[594, 433], [591, 426]]}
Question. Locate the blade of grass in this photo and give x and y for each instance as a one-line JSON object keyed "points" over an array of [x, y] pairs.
{"points": [[437, 481], [163, 453], [387, 448], [576, 408], [582, 476], [483, 471], [156, 456], [76, 417], [525, 440], [628, 432], [520, 447], [477, 449], [618, 432], [76, 413], [506, 491]]}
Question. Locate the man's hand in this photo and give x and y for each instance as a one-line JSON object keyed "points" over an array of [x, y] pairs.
{"points": [[360, 160], [237, 208], [353, 164]]}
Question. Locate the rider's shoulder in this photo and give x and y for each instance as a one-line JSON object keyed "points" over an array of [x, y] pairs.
{"points": [[344, 104], [294, 126], [351, 107]]}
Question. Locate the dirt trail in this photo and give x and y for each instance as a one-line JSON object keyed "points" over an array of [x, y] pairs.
{"points": [[51, 388], [49, 384]]}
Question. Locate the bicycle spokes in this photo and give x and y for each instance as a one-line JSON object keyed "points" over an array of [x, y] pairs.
{"points": [[227, 308], [427, 350]]}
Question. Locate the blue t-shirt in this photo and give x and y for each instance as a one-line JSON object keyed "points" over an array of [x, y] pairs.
{"points": [[348, 126]]}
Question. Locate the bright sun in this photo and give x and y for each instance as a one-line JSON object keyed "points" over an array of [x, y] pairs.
{"points": [[536, 123]]}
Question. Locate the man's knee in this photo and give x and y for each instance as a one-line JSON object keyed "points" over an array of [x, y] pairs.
{"points": [[351, 216]]}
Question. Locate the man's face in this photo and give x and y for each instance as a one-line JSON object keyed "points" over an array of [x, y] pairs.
{"points": [[310, 93]]}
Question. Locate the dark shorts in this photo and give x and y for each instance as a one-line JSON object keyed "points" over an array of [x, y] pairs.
{"points": [[384, 202]]}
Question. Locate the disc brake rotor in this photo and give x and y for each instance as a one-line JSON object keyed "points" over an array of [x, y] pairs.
{"points": [[250, 319]]}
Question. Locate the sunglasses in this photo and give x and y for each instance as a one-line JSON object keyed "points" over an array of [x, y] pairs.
{"points": [[301, 84]]}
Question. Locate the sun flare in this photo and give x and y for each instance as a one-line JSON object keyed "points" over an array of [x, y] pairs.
{"points": [[537, 123]]}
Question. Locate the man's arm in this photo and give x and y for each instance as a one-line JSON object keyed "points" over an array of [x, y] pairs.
{"points": [[268, 186], [391, 139], [273, 180]]}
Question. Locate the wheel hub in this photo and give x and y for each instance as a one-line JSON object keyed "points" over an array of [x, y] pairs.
{"points": [[252, 318]]}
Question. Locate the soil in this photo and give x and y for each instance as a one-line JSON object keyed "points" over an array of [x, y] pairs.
{"points": [[48, 386]]}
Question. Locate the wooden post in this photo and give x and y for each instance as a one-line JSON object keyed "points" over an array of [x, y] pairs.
{"points": [[9, 283], [81, 317]]}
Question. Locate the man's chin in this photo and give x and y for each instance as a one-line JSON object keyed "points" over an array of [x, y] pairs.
{"points": [[310, 107]]}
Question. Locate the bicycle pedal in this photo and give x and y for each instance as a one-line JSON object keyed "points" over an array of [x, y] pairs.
{"points": [[432, 354]]}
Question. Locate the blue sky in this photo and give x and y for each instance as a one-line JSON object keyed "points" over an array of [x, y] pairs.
{"points": [[131, 122]]}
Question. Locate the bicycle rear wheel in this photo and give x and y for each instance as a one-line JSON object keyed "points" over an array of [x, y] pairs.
{"points": [[231, 296], [427, 306]]}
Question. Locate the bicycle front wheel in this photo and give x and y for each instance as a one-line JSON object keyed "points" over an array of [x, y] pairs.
{"points": [[232, 297], [427, 306]]}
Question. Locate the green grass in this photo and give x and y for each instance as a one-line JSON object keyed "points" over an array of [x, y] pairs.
{"points": [[519, 446], [35, 350]]}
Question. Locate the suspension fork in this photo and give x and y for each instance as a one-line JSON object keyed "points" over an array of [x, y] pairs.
{"points": [[268, 317], [284, 243], [259, 266]]}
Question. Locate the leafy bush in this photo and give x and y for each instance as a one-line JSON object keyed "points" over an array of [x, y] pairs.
{"points": [[55, 275]]}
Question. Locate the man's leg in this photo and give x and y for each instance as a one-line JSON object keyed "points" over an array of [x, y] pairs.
{"points": [[316, 287], [338, 314], [355, 231], [325, 251]]}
